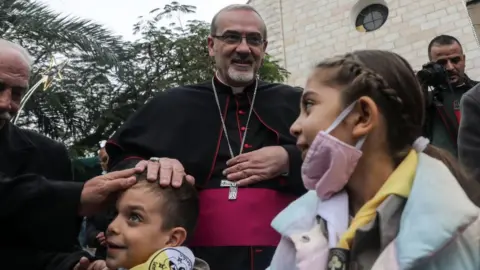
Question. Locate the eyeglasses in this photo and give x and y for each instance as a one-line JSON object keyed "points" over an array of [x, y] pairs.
{"points": [[232, 37]]}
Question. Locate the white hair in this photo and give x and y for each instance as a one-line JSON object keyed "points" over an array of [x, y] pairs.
{"points": [[5, 44]]}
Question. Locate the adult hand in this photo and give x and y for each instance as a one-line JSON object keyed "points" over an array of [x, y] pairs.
{"points": [[97, 191], [85, 264], [169, 171], [262, 164], [102, 240]]}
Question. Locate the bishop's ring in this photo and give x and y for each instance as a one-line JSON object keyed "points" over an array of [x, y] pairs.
{"points": [[155, 159]]}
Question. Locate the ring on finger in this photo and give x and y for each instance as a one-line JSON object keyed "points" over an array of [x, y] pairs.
{"points": [[155, 159]]}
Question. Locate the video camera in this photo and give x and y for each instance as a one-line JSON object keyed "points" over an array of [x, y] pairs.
{"points": [[434, 75], [433, 78]]}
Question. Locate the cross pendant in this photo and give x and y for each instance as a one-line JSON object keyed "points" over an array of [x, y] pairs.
{"points": [[232, 189]]}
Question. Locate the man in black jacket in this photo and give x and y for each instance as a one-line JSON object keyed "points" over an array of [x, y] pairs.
{"points": [[24, 152], [443, 112]]}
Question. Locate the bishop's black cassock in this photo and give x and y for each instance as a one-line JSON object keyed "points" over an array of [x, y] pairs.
{"points": [[184, 123]]}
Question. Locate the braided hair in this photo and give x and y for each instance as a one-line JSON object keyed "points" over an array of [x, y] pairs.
{"points": [[389, 80]]}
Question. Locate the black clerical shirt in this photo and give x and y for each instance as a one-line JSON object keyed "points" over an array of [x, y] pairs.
{"points": [[258, 135], [184, 124]]}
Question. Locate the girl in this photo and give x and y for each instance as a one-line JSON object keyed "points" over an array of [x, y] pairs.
{"points": [[360, 132]]}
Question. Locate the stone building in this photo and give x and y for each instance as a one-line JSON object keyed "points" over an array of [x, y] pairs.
{"points": [[302, 32]]}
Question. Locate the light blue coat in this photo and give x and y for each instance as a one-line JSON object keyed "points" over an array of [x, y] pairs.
{"points": [[439, 228]]}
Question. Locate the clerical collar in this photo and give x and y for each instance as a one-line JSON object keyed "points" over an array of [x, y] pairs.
{"points": [[235, 90]]}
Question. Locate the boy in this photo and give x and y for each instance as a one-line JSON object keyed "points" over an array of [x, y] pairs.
{"points": [[151, 225]]}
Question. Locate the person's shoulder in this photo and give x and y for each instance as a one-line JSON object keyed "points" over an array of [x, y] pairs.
{"points": [[280, 90], [474, 89], [280, 87], [181, 93], [472, 94], [462, 252], [36, 137], [298, 215], [40, 140], [199, 87]]}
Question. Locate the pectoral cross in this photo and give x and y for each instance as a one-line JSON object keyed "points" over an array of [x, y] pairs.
{"points": [[232, 189]]}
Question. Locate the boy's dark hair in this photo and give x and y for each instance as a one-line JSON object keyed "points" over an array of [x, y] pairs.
{"points": [[180, 205], [442, 40]]}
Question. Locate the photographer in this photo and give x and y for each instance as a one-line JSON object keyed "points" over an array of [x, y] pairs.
{"points": [[445, 80]]}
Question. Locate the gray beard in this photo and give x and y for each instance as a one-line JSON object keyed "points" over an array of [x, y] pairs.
{"points": [[241, 77]]}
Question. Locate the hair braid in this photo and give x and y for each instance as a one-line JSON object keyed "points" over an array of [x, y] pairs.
{"points": [[363, 81], [389, 80]]}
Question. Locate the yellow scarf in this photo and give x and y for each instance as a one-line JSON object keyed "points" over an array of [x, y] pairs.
{"points": [[169, 259], [398, 183], [160, 258]]}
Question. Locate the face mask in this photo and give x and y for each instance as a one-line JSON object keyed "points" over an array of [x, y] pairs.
{"points": [[329, 162]]}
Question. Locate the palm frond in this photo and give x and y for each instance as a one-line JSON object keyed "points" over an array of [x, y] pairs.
{"points": [[55, 32]]}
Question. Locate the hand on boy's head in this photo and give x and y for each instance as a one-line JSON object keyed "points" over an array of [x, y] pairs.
{"points": [[166, 170], [97, 191]]}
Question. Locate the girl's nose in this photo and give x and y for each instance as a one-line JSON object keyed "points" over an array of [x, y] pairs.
{"points": [[295, 129]]}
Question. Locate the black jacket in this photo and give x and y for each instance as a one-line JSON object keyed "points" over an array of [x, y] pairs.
{"points": [[441, 124], [183, 123], [28, 202], [39, 229]]}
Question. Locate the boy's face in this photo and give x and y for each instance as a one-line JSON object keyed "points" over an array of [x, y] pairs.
{"points": [[136, 232]]}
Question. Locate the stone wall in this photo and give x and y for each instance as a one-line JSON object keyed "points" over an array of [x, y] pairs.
{"points": [[302, 32]]}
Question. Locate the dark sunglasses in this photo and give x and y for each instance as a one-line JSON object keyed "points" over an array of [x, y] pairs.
{"points": [[232, 37]]}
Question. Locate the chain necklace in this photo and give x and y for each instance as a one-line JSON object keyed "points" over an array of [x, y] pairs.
{"points": [[224, 127]]}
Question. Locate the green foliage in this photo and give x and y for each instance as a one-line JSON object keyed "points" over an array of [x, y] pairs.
{"points": [[63, 111], [107, 79], [271, 71]]}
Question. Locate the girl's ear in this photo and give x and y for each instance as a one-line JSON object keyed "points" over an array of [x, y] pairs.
{"points": [[367, 117]]}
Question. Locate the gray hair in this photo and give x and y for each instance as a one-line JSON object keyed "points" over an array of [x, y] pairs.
{"points": [[213, 25], [5, 44]]}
